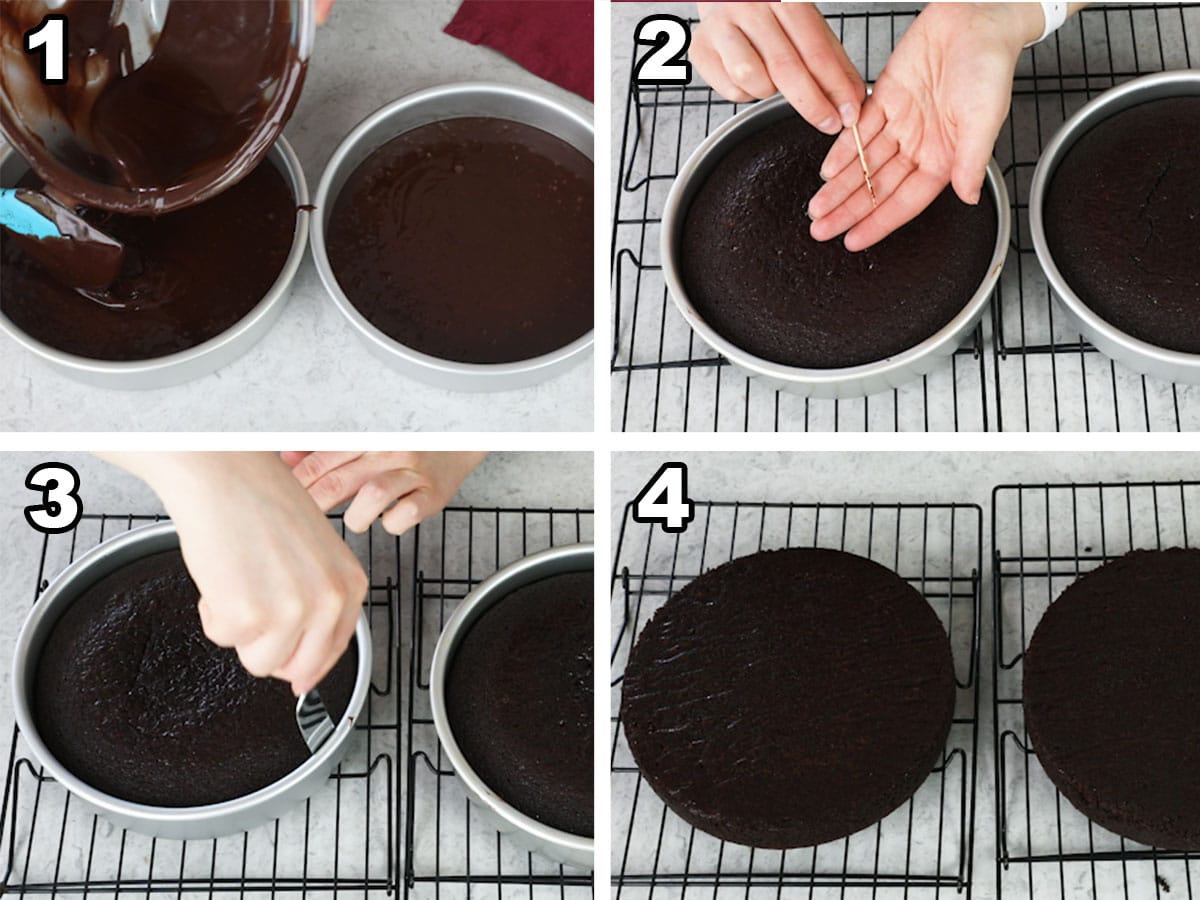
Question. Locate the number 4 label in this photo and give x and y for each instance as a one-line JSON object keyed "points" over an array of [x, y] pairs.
{"points": [[664, 500], [670, 37]]}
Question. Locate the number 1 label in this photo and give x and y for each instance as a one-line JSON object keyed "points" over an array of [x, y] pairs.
{"points": [[51, 38]]}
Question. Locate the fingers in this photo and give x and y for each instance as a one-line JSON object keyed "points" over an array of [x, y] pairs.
{"points": [[857, 205], [323, 9], [310, 467], [844, 151], [708, 63], [408, 511], [265, 654], [824, 57], [376, 495], [908, 201], [742, 62], [971, 158], [342, 482], [785, 70], [233, 624], [292, 457], [838, 189]]}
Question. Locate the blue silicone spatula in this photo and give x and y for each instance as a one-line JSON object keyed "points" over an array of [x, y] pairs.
{"points": [[73, 251]]}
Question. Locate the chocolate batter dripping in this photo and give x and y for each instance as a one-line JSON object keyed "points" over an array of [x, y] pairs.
{"points": [[470, 240], [202, 111]]}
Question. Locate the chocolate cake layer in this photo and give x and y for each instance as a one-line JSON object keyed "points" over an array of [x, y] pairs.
{"points": [[1122, 219], [519, 700], [761, 281], [790, 697], [470, 240], [134, 700], [1112, 696], [187, 277]]}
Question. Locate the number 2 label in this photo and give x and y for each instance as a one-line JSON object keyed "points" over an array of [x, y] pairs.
{"points": [[664, 500], [670, 37]]}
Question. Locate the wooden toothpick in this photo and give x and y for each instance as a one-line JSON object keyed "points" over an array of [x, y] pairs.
{"points": [[862, 158]]}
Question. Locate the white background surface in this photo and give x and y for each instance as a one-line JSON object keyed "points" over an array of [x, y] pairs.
{"points": [[311, 372]]}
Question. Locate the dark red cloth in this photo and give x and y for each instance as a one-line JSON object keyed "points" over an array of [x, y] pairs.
{"points": [[551, 38]]}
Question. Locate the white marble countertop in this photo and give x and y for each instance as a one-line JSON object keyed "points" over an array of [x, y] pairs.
{"points": [[312, 372], [903, 477]]}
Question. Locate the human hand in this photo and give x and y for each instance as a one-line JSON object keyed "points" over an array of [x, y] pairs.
{"points": [[402, 488], [932, 119], [276, 581], [323, 9], [747, 50]]}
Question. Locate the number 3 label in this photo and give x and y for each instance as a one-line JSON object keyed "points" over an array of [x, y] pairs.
{"points": [[61, 507], [670, 37], [664, 500]]}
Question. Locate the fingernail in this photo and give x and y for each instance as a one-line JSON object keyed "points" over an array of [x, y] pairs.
{"points": [[974, 198], [830, 125], [849, 114]]}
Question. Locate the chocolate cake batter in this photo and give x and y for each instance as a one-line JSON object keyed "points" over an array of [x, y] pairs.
{"points": [[759, 279], [790, 697], [187, 276], [1122, 220], [519, 700], [201, 112], [470, 240], [134, 699], [1112, 696]]}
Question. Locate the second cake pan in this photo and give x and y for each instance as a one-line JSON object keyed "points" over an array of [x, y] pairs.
{"points": [[186, 823], [851, 381], [1139, 355], [450, 101], [573, 849], [205, 358]]}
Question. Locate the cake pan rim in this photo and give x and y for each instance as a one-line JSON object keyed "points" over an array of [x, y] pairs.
{"points": [[560, 845], [208, 356], [1139, 355], [842, 382], [463, 376], [195, 822]]}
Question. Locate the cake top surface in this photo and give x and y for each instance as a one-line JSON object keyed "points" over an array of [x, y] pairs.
{"points": [[757, 277], [519, 700], [1122, 219], [789, 697], [1112, 695], [133, 699]]}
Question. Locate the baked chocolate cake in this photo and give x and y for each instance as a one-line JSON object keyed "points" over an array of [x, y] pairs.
{"points": [[188, 276], [470, 240], [789, 697], [754, 273], [1112, 696], [519, 700], [1122, 219], [134, 700]]}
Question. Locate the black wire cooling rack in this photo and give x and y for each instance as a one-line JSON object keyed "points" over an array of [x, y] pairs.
{"points": [[924, 848], [343, 840], [1024, 367], [449, 850], [1045, 537]]}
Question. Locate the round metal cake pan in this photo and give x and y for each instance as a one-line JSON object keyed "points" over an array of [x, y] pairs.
{"points": [[203, 359], [851, 381], [1142, 357], [562, 846], [451, 101], [184, 823]]}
